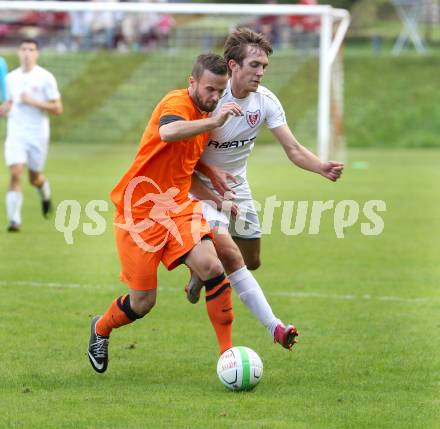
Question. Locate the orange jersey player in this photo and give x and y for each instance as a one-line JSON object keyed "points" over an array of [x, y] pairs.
{"points": [[155, 219]]}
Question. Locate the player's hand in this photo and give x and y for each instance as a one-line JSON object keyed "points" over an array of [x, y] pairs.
{"points": [[27, 99], [228, 109], [3, 110], [229, 206], [219, 180], [331, 170]]}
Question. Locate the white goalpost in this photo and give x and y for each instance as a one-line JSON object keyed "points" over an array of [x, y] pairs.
{"points": [[332, 25]]}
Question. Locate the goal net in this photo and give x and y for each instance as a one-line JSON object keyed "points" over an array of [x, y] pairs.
{"points": [[114, 61]]}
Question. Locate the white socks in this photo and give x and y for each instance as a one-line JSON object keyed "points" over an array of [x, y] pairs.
{"points": [[252, 296], [14, 201], [44, 191]]}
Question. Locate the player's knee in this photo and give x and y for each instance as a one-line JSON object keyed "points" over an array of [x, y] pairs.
{"points": [[231, 258], [33, 181], [15, 178], [253, 263], [142, 305], [211, 267]]}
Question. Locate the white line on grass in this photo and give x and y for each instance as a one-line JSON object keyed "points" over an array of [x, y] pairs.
{"points": [[305, 295], [350, 297]]}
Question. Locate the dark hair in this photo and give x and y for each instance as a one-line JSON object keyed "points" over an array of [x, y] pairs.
{"points": [[237, 42], [214, 63], [33, 41]]}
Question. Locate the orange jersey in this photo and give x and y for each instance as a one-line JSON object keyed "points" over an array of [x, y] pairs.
{"points": [[161, 172]]}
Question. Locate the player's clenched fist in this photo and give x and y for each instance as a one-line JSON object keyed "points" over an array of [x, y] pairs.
{"points": [[228, 109], [332, 170]]}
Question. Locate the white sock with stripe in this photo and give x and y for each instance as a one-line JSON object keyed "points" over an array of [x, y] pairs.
{"points": [[253, 298]]}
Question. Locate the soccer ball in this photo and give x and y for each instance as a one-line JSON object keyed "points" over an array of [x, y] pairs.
{"points": [[240, 368]]}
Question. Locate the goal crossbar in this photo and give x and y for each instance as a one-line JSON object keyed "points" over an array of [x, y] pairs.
{"points": [[178, 8]]}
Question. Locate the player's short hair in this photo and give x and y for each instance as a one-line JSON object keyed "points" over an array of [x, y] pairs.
{"points": [[29, 40], [236, 44], [214, 63]]}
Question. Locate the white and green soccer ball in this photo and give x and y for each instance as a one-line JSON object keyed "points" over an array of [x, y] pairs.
{"points": [[240, 368]]}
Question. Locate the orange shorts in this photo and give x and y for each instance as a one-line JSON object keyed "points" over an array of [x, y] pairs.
{"points": [[141, 252]]}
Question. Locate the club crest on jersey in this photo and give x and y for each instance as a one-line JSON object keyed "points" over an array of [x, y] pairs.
{"points": [[253, 118]]}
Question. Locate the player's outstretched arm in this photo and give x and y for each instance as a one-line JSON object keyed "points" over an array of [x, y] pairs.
{"points": [[305, 159], [181, 130]]}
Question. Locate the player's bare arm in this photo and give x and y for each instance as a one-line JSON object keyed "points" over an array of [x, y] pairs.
{"points": [[305, 159], [54, 107], [181, 130]]}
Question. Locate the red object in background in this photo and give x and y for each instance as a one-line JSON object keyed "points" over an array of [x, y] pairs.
{"points": [[5, 29], [268, 20], [309, 23], [47, 19]]}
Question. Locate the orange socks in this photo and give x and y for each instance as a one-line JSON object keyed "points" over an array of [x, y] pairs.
{"points": [[219, 306], [118, 314]]}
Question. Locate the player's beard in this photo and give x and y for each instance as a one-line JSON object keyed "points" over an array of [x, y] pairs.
{"points": [[201, 105]]}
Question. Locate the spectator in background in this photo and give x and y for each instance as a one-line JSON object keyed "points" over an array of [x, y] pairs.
{"points": [[304, 28], [269, 26], [103, 27], [165, 25], [144, 30], [80, 23], [93, 29]]}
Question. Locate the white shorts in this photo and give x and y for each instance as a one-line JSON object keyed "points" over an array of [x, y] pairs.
{"points": [[22, 151], [246, 226]]}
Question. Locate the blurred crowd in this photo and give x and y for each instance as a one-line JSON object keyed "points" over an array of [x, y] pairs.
{"points": [[119, 30], [298, 30], [86, 30]]}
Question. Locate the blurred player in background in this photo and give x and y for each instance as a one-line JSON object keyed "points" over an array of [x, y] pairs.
{"points": [[31, 94], [228, 148], [155, 219]]}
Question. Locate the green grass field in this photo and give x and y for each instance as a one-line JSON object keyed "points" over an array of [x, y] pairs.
{"points": [[366, 306], [367, 309]]}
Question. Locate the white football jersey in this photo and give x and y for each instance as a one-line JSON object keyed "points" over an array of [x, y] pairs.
{"points": [[229, 146], [25, 120]]}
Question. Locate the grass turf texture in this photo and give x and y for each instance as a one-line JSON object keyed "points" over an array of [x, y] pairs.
{"points": [[366, 308]]}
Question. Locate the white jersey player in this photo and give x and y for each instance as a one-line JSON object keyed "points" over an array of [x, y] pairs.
{"points": [[229, 147], [238, 241], [31, 94]]}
